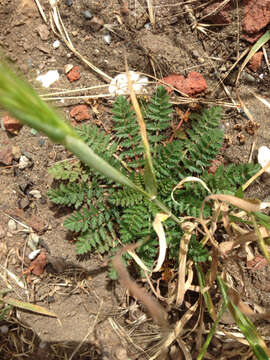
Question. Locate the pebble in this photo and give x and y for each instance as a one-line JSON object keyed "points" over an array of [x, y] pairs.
{"points": [[35, 193], [107, 38], [68, 68], [12, 226], [4, 329], [87, 14], [33, 132], [148, 26], [41, 142], [27, 154], [16, 152], [24, 162], [69, 2], [33, 254], [56, 44], [247, 77], [33, 241], [42, 345]]}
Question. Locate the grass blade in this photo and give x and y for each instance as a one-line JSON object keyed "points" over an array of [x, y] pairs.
{"points": [[149, 173], [245, 325], [205, 293], [27, 306], [22, 102]]}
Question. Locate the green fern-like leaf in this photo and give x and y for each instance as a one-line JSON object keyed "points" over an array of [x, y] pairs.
{"points": [[69, 195]]}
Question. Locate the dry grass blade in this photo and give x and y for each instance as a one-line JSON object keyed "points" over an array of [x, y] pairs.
{"points": [[247, 205], [263, 39], [178, 329], [41, 11], [264, 101], [254, 177], [149, 173], [27, 306], [188, 228], [157, 312], [158, 227], [151, 12]]}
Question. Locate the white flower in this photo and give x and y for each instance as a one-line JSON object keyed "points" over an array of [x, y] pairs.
{"points": [[264, 157], [119, 84]]}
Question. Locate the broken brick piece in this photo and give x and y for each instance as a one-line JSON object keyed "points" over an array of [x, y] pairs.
{"points": [[174, 80], [195, 83], [74, 74], [256, 15], [11, 124], [80, 113], [192, 85], [255, 63], [38, 265]]}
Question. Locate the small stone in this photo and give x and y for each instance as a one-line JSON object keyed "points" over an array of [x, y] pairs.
{"points": [[27, 154], [43, 32], [11, 124], [35, 193], [96, 23], [24, 162], [12, 225], [248, 77], [41, 142], [67, 68], [16, 152], [37, 224], [33, 241], [120, 353], [33, 254], [6, 155], [201, 60], [107, 38], [74, 74], [23, 203], [87, 14], [4, 329], [69, 2], [80, 113], [56, 44], [255, 63], [42, 345], [148, 26]]}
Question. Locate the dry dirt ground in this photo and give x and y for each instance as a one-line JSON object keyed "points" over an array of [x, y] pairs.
{"points": [[85, 300]]}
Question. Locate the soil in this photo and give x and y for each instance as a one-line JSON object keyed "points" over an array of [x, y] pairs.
{"points": [[78, 290]]}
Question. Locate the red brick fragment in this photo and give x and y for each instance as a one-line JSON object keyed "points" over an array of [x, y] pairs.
{"points": [[74, 74], [255, 63], [195, 83], [11, 124], [38, 265], [80, 113], [256, 15], [192, 85]]}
